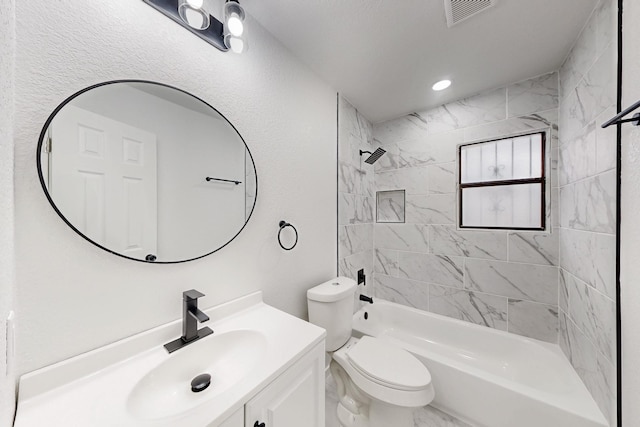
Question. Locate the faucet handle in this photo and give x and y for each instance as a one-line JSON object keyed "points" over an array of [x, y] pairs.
{"points": [[191, 295]]}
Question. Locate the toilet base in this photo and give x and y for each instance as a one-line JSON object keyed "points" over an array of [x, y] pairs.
{"points": [[356, 409]]}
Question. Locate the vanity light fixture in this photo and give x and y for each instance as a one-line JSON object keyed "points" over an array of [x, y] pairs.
{"points": [[229, 35], [441, 85], [234, 32]]}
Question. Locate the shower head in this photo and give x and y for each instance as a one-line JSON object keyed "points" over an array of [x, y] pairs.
{"points": [[373, 156]]}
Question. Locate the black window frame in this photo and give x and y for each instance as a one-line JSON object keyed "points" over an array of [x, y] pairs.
{"points": [[540, 180]]}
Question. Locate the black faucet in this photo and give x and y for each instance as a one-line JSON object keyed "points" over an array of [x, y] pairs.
{"points": [[366, 298], [191, 315]]}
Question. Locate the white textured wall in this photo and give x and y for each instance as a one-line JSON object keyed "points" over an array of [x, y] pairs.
{"points": [[7, 50], [629, 226], [74, 297]]}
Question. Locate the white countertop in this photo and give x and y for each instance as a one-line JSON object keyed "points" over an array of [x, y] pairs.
{"points": [[92, 389]]}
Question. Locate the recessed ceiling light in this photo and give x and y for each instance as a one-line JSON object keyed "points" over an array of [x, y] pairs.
{"points": [[441, 85]]}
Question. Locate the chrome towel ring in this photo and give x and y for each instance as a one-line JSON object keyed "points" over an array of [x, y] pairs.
{"points": [[283, 225]]}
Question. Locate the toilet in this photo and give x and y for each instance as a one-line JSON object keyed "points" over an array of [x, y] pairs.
{"points": [[379, 384]]}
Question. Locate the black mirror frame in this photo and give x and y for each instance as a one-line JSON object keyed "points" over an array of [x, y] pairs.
{"points": [[42, 137]]}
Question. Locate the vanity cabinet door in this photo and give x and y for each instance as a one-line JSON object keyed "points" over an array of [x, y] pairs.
{"points": [[235, 420], [294, 399]]}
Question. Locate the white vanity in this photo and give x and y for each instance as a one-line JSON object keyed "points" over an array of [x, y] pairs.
{"points": [[266, 367]]}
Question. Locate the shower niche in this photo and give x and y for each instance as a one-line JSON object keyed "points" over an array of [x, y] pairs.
{"points": [[390, 206]]}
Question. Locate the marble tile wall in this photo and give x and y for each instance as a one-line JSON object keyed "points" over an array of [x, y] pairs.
{"points": [[500, 279], [587, 180], [356, 193]]}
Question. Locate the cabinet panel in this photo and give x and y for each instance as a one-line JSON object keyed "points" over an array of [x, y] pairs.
{"points": [[235, 420], [294, 399]]}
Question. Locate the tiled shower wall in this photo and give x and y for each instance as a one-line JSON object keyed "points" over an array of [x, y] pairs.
{"points": [[500, 279], [356, 193], [587, 171]]}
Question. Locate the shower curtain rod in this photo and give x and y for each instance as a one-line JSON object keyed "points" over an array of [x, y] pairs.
{"points": [[618, 118]]}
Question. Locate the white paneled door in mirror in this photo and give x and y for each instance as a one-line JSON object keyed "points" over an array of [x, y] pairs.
{"points": [[147, 171]]}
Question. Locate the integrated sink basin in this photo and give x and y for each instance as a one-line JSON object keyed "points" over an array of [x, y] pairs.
{"points": [[166, 390], [136, 382]]}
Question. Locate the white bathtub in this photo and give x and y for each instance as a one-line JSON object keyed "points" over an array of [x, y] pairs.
{"points": [[486, 377]]}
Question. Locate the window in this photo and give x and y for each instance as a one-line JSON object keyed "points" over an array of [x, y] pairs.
{"points": [[502, 183]]}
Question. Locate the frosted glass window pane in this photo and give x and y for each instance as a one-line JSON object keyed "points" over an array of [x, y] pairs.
{"points": [[488, 161], [509, 158], [504, 160], [508, 206], [471, 163], [390, 206]]}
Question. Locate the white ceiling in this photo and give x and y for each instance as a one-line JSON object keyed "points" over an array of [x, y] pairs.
{"points": [[384, 55]]}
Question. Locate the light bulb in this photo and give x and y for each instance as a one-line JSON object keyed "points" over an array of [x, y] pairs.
{"points": [[196, 4], [235, 25], [441, 85], [193, 14], [235, 44]]}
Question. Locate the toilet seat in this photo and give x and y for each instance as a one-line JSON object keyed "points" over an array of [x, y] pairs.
{"points": [[386, 372], [388, 365]]}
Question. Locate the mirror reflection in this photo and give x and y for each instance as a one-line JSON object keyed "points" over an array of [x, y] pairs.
{"points": [[147, 171]]}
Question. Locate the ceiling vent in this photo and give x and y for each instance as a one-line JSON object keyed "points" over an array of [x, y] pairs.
{"points": [[460, 10]]}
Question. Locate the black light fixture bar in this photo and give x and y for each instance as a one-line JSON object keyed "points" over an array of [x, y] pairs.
{"points": [[212, 35]]}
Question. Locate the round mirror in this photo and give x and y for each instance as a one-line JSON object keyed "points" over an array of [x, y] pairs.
{"points": [[147, 171]]}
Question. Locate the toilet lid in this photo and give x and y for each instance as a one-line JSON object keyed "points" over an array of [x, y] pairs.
{"points": [[388, 364]]}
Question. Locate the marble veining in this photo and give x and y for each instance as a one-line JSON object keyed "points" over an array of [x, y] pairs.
{"points": [[402, 291], [438, 269], [354, 238], [446, 240], [577, 254], [577, 156], [596, 372], [483, 108], [412, 180], [535, 248], [541, 120], [481, 309], [534, 320], [606, 142], [530, 96], [431, 209], [590, 204], [349, 265], [587, 177], [354, 209], [594, 314], [604, 266], [404, 237], [442, 178], [386, 262], [414, 154], [390, 206], [424, 164], [579, 60], [392, 131], [529, 282]]}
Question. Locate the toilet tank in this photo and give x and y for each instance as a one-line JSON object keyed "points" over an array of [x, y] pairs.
{"points": [[331, 307]]}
